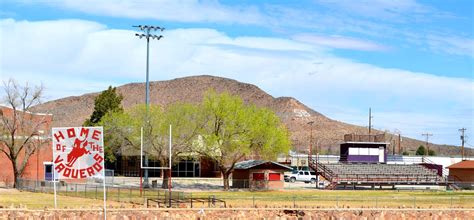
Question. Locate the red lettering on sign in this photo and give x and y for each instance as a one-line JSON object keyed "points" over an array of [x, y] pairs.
{"points": [[90, 171], [74, 173], [71, 144], [97, 167], [98, 158], [58, 159], [67, 172], [83, 173], [96, 147], [60, 167], [84, 132], [59, 135], [71, 132], [96, 135]]}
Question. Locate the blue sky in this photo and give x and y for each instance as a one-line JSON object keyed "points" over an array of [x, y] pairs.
{"points": [[411, 61]]}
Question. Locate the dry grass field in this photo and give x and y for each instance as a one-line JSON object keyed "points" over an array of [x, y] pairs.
{"points": [[11, 198], [266, 199]]}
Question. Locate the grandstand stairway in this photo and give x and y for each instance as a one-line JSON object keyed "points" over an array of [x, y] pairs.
{"points": [[376, 174]]}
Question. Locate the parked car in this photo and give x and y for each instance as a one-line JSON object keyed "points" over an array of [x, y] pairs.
{"points": [[301, 176]]}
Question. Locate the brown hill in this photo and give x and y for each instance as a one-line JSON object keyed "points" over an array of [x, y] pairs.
{"points": [[327, 133]]}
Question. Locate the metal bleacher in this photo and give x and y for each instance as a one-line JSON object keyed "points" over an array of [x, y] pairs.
{"points": [[376, 174]]}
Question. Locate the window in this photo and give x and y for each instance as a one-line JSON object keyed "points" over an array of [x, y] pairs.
{"points": [[306, 173], [48, 168], [373, 151], [363, 151], [353, 151], [274, 176], [301, 173], [258, 176], [186, 168]]}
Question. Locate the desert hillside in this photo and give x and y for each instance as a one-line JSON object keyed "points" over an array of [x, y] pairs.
{"points": [[328, 133]]}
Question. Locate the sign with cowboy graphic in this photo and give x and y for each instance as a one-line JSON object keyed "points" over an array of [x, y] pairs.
{"points": [[78, 152]]}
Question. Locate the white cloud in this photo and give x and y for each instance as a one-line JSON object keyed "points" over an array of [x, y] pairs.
{"points": [[339, 42], [94, 56], [379, 19], [455, 45], [168, 10], [395, 11]]}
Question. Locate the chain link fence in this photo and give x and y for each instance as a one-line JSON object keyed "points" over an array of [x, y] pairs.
{"points": [[244, 198]]}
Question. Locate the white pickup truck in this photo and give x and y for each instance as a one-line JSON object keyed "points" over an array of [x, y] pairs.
{"points": [[301, 176]]}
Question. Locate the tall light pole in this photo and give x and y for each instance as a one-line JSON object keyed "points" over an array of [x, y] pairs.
{"points": [[147, 34]]}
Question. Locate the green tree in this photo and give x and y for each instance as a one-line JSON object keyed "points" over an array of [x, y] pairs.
{"points": [[123, 130], [431, 152], [107, 101], [421, 150], [234, 131], [405, 153]]}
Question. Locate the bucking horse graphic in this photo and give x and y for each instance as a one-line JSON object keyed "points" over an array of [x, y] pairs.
{"points": [[78, 150]]}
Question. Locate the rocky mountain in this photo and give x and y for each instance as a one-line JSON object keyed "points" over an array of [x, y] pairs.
{"points": [[327, 133]]}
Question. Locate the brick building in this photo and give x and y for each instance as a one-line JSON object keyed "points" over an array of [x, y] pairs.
{"points": [[36, 127]]}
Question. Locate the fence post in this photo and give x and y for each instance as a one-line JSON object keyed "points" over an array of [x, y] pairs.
{"points": [[376, 202], [95, 191], [253, 199], [118, 194], [130, 195], [191, 198], [337, 201], [451, 201], [414, 202], [294, 201], [85, 191]]}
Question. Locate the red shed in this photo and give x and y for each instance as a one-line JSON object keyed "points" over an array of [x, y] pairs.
{"points": [[462, 173], [259, 174]]}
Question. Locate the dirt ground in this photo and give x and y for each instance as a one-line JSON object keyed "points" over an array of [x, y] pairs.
{"points": [[237, 214]]}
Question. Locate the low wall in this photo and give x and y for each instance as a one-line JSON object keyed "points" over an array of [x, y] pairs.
{"points": [[238, 214]]}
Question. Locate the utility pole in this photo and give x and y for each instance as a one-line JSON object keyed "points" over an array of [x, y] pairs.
{"points": [[370, 120], [310, 140], [399, 144], [147, 34], [462, 130], [428, 135]]}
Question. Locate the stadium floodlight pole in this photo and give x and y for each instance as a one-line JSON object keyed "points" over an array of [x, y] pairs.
{"points": [[147, 29]]}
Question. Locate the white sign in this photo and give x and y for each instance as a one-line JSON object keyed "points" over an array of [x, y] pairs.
{"points": [[78, 152]]}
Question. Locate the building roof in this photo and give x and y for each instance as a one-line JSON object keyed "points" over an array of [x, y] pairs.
{"points": [[362, 142], [244, 165], [466, 164]]}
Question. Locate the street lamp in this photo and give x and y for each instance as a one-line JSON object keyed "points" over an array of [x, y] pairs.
{"points": [[147, 34]]}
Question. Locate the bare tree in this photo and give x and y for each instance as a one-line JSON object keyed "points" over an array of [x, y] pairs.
{"points": [[20, 128]]}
